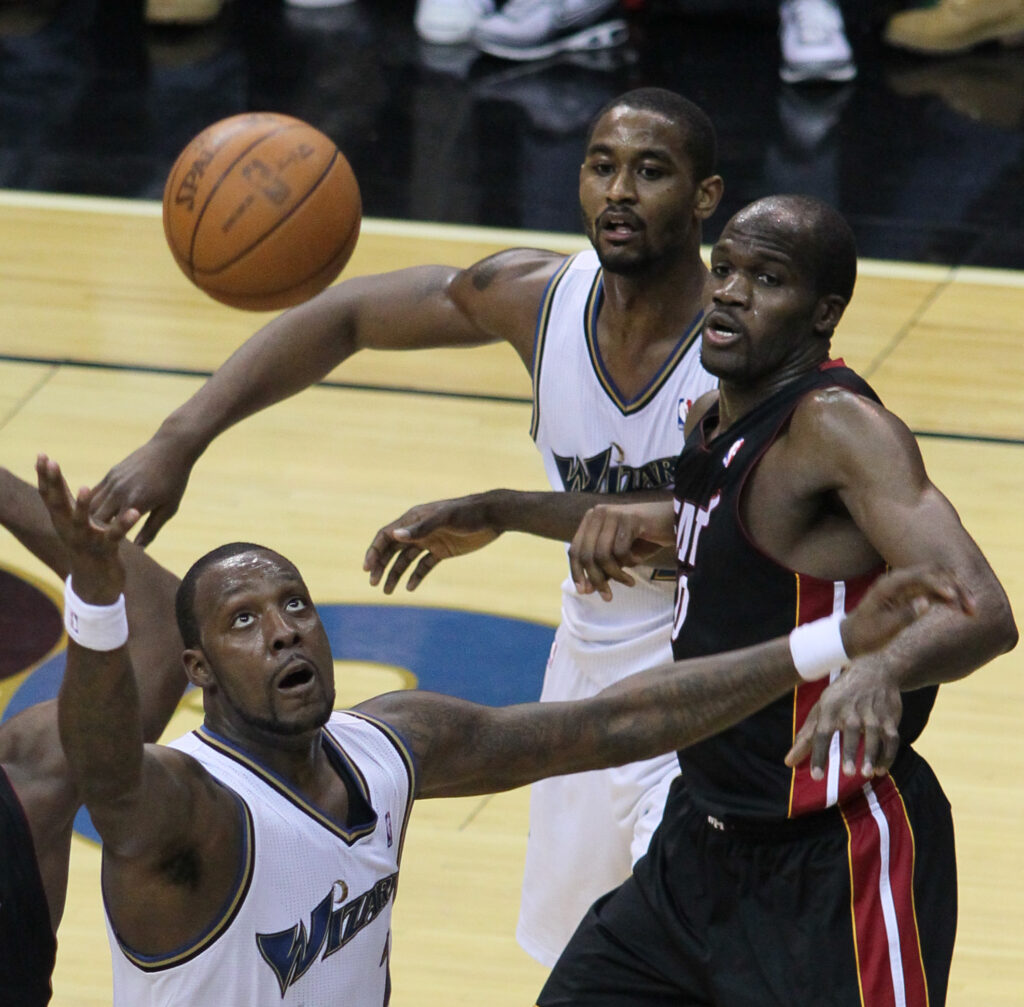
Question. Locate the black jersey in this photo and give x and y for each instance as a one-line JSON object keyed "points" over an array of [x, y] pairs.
{"points": [[28, 947], [730, 594]]}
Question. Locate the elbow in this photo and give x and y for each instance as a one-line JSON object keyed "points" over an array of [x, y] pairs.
{"points": [[1009, 634], [1000, 631]]}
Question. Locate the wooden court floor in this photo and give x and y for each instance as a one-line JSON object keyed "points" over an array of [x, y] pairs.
{"points": [[101, 336]]}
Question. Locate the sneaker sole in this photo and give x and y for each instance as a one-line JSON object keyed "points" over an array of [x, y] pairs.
{"points": [[599, 36], [835, 72]]}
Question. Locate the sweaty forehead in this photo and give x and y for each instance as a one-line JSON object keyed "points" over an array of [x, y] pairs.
{"points": [[761, 234], [245, 571]]}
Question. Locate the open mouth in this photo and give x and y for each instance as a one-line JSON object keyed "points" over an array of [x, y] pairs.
{"points": [[619, 226], [721, 329], [296, 678]]}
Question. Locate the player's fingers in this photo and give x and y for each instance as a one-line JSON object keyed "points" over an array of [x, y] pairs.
{"points": [[423, 567], [399, 565], [99, 498], [379, 554], [581, 553], [156, 520], [821, 743], [890, 746], [625, 539], [607, 556], [53, 489], [872, 751], [122, 524], [800, 750], [852, 731]]}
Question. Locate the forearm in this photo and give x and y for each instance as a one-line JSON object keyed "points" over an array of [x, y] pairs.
{"points": [[640, 717], [100, 727], [154, 645], [287, 355], [553, 514], [945, 646]]}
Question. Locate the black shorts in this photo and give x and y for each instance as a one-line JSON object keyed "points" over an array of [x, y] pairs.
{"points": [[28, 948], [843, 909]]}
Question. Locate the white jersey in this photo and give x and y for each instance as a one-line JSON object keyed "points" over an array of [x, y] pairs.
{"points": [[309, 920], [593, 439]]}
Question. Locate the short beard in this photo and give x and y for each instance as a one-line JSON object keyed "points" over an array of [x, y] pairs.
{"points": [[272, 725], [630, 268]]}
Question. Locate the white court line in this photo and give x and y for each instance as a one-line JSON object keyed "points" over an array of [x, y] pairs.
{"points": [[507, 237]]}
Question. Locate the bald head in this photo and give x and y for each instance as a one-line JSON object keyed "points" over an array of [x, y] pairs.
{"points": [[236, 555], [814, 234]]}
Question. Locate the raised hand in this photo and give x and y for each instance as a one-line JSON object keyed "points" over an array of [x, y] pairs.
{"points": [[431, 532], [864, 703], [612, 537], [96, 570], [152, 479]]}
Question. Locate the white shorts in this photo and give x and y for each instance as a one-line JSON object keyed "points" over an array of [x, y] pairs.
{"points": [[586, 830]]}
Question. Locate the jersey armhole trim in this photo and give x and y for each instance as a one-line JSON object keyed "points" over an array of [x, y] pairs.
{"points": [[243, 881], [540, 334]]}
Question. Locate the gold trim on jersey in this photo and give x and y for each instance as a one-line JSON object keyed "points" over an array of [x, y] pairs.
{"points": [[543, 315], [157, 963], [286, 790], [407, 757], [663, 373]]}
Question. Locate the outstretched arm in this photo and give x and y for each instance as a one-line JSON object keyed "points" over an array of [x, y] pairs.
{"points": [[155, 645], [415, 308], [468, 749], [140, 797], [436, 531], [30, 746]]}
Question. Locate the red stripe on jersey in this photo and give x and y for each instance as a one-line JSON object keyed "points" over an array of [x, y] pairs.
{"points": [[816, 599], [881, 859]]}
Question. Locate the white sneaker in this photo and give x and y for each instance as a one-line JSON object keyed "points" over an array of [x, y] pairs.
{"points": [[814, 43], [449, 22], [537, 29]]}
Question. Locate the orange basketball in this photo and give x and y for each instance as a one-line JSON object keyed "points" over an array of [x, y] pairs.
{"points": [[261, 211]]}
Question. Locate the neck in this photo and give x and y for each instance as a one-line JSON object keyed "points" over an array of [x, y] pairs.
{"points": [[649, 306], [294, 757], [737, 398]]}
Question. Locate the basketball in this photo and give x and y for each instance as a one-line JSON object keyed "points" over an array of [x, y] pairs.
{"points": [[261, 211]]}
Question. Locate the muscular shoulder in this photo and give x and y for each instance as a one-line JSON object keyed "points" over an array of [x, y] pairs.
{"points": [[839, 436], [503, 292]]}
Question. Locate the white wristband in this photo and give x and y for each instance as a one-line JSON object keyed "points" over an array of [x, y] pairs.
{"points": [[95, 627], [817, 648]]}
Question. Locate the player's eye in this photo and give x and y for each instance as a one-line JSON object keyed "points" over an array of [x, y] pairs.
{"points": [[295, 604], [242, 620]]}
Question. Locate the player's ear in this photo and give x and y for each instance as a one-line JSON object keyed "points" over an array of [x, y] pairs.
{"points": [[827, 313], [196, 669], [709, 194]]}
